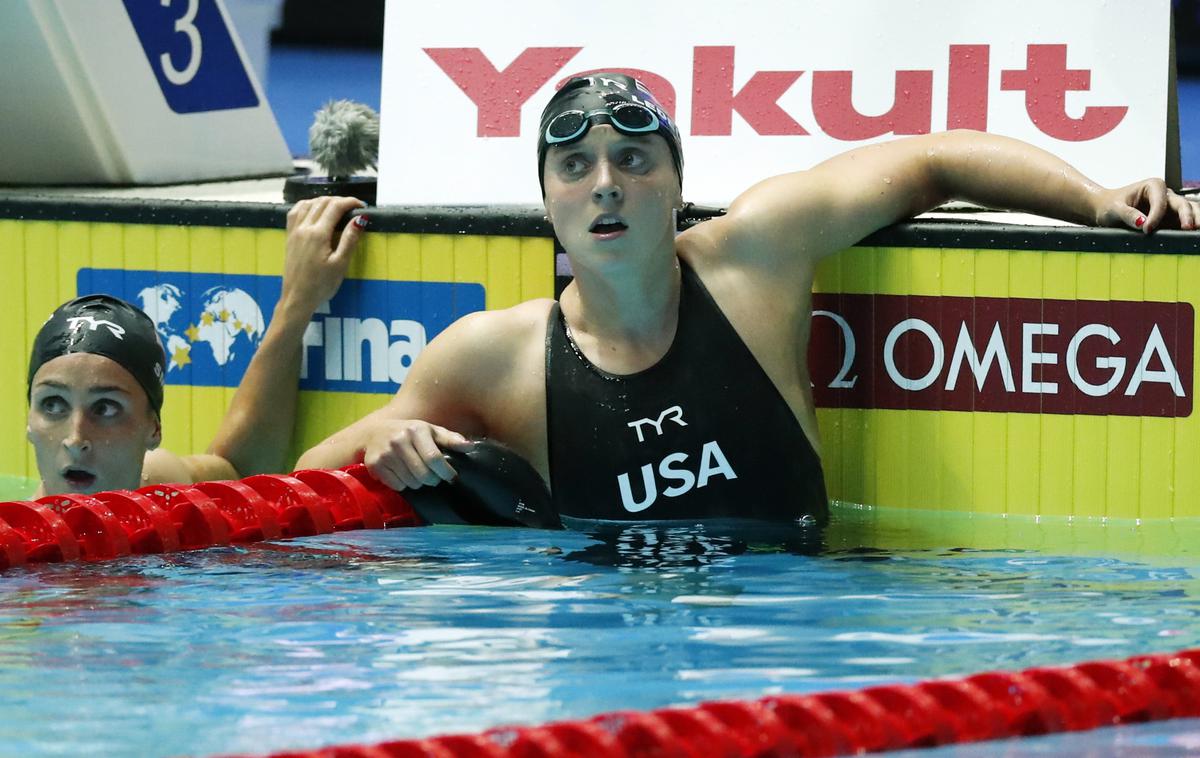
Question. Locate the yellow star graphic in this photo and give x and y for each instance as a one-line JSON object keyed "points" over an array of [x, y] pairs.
{"points": [[206, 319], [224, 316], [237, 325], [248, 328], [181, 355], [192, 333]]}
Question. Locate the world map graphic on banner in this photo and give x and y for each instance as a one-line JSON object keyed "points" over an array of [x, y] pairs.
{"points": [[363, 340]]}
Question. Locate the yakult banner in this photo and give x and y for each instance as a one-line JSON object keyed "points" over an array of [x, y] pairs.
{"points": [[771, 86]]}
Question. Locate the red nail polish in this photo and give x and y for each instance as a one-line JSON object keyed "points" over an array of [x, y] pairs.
{"points": [[361, 221], [1140, 220]]}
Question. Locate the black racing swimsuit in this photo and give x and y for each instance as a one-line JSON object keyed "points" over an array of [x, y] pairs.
{"points": [[702, 434]]}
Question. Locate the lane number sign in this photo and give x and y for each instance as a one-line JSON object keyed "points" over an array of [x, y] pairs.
{"points": [[192, 53]]}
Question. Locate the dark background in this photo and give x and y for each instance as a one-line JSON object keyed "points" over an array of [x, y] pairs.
{"points": [[1187, 37]]}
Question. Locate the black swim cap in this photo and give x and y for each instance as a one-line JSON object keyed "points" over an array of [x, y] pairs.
{"points": [[595, 95], [107, 326]]}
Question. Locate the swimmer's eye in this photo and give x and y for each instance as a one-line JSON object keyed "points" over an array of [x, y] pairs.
{"points": [[573, 165], [107, 408], [53, 405], [634, 160]]}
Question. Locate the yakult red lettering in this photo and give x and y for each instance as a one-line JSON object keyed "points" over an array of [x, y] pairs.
{"points": [[499, 93], [778, 86]]}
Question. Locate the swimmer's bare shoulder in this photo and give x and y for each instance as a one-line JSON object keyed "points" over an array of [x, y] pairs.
{"points": [[484, 376]]}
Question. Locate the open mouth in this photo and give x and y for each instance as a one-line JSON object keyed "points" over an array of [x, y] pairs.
{"points": [[605, 225], [78, 478]]}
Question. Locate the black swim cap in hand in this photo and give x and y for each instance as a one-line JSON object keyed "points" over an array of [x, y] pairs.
{"points": [[495, 487], [107, 326]]}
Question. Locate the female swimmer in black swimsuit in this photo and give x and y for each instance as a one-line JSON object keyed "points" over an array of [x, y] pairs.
{"points": [[662, 429]]}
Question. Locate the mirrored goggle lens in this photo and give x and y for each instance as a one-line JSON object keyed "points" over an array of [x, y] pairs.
{"points": [[631, 117], [566, 126]]}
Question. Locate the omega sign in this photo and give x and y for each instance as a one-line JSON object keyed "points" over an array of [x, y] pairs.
{"points": [[1002, 354]]}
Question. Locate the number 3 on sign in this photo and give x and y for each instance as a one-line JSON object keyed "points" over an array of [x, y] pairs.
{"points": [[184, 24], [192, 53]]}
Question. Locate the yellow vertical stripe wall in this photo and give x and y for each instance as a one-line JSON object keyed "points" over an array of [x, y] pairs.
{"points": [[1185, 476], [1007, 463], [1055, 471], [1093, 281], [15, 453], [1160, 280], [1041, 464], [956, 429]]}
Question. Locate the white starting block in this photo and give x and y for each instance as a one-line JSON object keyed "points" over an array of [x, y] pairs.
{"points": [[130, 92]]}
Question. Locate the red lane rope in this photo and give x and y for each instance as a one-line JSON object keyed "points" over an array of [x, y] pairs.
{"points": [[986, 706], [163, 518]]}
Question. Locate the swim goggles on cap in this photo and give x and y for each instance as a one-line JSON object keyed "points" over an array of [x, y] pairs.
{"points": [[627, 118]]}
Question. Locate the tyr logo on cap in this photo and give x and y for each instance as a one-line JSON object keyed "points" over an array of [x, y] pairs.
{"points": [[75, 323]]}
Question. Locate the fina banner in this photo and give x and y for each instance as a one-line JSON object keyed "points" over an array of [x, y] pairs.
{"points": [[364, 339], [772, 86]]}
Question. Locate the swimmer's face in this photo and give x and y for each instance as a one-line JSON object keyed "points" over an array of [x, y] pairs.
{"points": [[91, 425], [612, 192]]}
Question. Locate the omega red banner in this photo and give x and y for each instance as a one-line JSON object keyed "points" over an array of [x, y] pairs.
{"points": [[770, 86], [1002, 354]]}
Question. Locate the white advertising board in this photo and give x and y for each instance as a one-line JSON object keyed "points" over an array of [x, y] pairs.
{"points": [[770, 86]]}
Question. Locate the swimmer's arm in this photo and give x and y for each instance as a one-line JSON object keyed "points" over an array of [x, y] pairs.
{"points": [[162, 466], [438, 391], [256, 432], [796, 219]]}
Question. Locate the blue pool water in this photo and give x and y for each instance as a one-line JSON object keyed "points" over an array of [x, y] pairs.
{"points": [[369, 636]]}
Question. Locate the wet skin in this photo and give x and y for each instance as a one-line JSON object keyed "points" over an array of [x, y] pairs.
{"points": [[612, 177], [90, 424]]}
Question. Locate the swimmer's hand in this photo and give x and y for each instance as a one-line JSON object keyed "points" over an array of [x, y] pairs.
{"points": [[317, 256], [1146, 206], [408, 454]]}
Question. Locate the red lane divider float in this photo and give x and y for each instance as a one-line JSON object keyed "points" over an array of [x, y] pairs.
{"points": [[986, 706], [352, 505], [163, 518], [44, 532], [147, 525]]}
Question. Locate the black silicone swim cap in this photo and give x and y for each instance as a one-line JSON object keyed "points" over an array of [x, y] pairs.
{"points": [[597, 94], [495, 487], [107, 326]]}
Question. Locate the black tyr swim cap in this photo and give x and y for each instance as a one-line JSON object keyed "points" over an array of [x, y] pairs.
{"points": [[107, 326], [606, 98]]}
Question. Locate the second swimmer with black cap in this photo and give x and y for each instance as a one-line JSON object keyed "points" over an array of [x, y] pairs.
{"points": [[97, 367], [671, 380]]}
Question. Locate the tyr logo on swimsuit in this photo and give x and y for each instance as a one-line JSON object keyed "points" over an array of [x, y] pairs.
{"points": [[672, 468], [1022, 355], [674, 413]]}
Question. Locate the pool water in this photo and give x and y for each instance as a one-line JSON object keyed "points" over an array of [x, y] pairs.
{"points": [[1164, 739], [375, 635]]}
